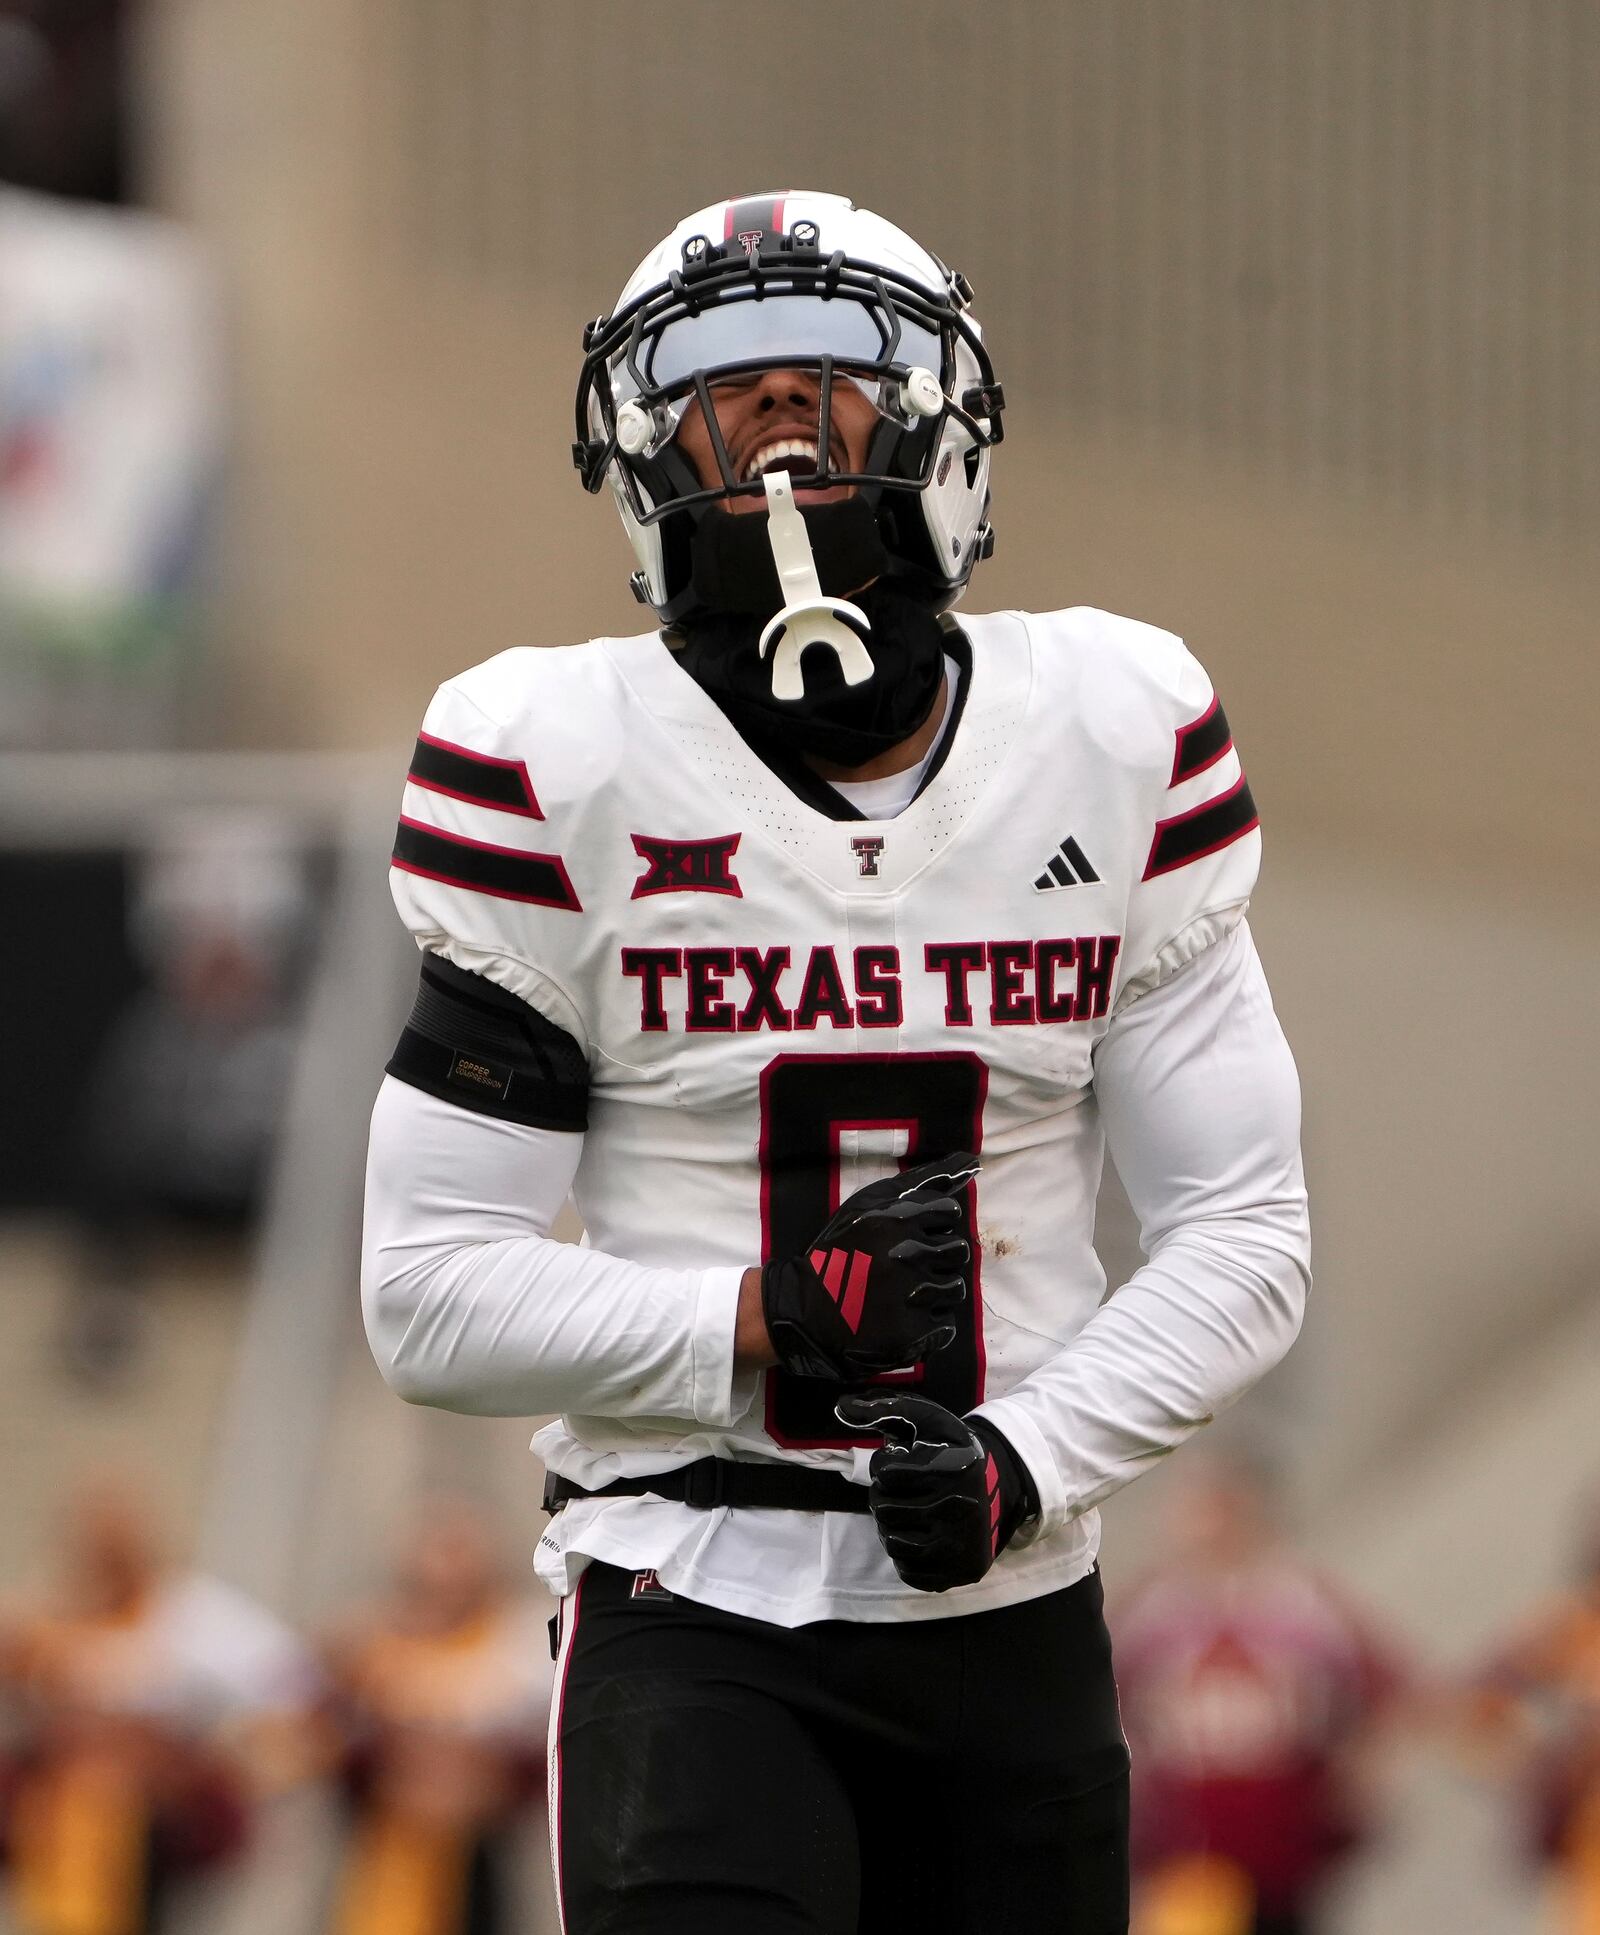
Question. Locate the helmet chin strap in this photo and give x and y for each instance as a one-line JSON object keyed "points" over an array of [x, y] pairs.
{"points": [[807, 617]]}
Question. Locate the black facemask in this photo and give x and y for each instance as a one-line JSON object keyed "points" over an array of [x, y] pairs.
{"points": [[738, 584]]}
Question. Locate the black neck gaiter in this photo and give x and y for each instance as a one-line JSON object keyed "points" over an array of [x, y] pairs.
{"points": [[851, 724]]}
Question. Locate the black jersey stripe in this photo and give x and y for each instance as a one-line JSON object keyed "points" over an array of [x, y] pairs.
{"points": [[479, 778], [1201, 743], [505, 872], [1204, 829]]}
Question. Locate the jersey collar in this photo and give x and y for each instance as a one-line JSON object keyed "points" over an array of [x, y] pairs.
{"points": [[992, 652]]}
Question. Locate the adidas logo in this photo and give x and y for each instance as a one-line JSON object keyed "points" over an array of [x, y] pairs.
{"points": [[844, 1275], [1068, 866]]}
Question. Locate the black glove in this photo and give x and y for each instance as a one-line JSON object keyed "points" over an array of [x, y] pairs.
{"points": [[881, 1286], [947, 1492]]}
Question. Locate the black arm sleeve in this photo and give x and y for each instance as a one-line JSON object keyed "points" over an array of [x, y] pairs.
{"points": [[473, 1043]]}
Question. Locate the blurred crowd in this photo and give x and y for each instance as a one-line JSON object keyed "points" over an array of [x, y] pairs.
{"points": [[1256, 1698], [1268, 1711], [154, 1718]]}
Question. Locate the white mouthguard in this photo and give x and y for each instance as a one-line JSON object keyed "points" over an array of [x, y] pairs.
{"points": [[807, 618]]}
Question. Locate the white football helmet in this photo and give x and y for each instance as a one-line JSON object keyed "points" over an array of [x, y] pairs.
{"points": [[793, 281]]}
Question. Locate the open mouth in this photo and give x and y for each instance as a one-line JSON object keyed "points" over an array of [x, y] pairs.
{"points": [[792, 453], [780, 455]]}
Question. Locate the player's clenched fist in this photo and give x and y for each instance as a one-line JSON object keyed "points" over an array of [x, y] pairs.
{"points": [[883, 1283], [947, 1492]]}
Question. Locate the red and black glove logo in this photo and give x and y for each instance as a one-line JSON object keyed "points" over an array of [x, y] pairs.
{"points": [[882, 1285]]}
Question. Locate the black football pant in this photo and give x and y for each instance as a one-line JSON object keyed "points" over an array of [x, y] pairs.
{"points": [[716, 1775]]}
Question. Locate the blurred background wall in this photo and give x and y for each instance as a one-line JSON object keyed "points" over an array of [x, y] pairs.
{"points": [[1298, 311]]}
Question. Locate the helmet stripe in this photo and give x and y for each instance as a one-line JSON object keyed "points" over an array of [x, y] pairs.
{"points": [[757, 215]]}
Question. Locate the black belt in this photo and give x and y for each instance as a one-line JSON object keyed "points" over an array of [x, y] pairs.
{"points": [[709, 1482]]}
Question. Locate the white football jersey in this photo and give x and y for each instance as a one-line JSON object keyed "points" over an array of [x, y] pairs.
{"points": [[778, 1006]]}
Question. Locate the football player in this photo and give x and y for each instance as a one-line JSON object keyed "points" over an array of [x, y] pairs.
{"points": [[819, 943]]}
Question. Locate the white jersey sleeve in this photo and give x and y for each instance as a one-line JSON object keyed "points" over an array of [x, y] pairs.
{"points": [[1201, 1106], [1200, 853], [471, 1305], [475, 874]]}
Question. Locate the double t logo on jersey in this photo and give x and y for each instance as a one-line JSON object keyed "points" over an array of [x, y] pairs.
{"points": [[867, 847]]}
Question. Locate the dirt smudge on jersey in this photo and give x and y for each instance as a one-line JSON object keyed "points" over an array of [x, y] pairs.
{"points": [[994, 1242]]}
